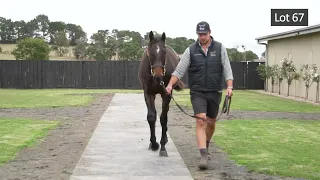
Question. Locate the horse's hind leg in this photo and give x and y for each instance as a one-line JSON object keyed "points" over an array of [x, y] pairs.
{"points": [[164, 120], [152, 117]]}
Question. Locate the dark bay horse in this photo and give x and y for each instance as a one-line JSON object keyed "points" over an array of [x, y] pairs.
{"points": [[157, 63]]}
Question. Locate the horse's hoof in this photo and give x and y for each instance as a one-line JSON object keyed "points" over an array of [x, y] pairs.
{"points": [[154, 146], [163, 154]]}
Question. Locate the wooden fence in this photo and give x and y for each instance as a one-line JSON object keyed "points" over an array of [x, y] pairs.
{"points": [[23, 74]]}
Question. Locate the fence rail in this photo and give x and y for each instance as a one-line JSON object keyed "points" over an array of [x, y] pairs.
{"points": [[23, 74]]}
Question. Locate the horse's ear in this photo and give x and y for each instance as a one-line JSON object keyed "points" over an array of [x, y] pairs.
{"points": [[151, 36], [163, 37]]}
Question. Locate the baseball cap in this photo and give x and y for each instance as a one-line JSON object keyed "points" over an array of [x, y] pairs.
{"points": [[203, 27]]}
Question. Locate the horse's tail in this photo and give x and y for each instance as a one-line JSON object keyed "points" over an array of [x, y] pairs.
{"points": [[179, 86]]}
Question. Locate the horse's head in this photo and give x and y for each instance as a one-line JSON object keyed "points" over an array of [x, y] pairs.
{"points": [[157, 56]]}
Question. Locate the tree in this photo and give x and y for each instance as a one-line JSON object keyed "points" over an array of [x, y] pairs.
{"points": [[130, 51], [61, 43], [98, 48], [307, 73], [54, 28], [105, 44], [267, 72], [90, 52], [112, 47], [21, 30], [262, 70], [80, 50], [234, 55], [289, 72], [7, 33], [32, 49], [279, 75], [42, 26], [273, 75], [75, 32], [316, 78], [250, 56]]}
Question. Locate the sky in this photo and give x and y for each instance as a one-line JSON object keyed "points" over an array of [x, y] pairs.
{"points": [[232, 22]]}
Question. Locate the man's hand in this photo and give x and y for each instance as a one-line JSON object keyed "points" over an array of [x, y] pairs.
{"points": [[169, 89], [229, 91]]}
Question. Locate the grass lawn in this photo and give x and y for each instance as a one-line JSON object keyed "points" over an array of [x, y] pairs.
{"points": [[254, 101], [276, 147], [16, 98], [16, 134]]}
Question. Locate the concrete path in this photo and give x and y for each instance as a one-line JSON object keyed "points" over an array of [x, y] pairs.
{"points": [[118, 148]]}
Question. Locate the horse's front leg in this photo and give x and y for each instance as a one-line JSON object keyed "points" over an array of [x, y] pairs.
{"points": [[151, 117], [164, 121]]}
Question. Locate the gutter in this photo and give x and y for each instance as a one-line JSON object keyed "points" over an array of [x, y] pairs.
{"points": [[296, 32]]}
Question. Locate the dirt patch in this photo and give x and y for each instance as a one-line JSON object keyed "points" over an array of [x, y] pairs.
{"points": [[58, 154], [182, 131]]}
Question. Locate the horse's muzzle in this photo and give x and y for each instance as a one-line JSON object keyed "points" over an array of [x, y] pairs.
{"points": [[158, 71]]}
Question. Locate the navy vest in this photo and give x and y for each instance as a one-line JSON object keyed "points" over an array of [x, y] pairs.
{"points": [[205, 71]]}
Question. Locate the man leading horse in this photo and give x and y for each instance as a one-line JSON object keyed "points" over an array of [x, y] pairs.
{"points": [[206, 61]]}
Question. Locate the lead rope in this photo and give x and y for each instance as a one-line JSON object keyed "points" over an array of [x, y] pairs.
{"points": [[225, 108]]}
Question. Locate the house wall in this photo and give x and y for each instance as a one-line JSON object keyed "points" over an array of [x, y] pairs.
{"points": [[304, 49]]}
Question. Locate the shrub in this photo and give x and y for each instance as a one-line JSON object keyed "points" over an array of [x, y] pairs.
{"points": [[32, 49], [308, 73], [288, 70]]}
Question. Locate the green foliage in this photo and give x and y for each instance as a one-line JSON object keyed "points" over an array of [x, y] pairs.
{"points": [[39, 27], [179, 44], [262, 71], [278, 73], [237, 56], [289, 70], [61, 43], [307, 73], [80, 50], [267, 72], [273, 73], [130, 50], [32, 49], [316, 76], [250, 56], [90, 52], [105, 44]]}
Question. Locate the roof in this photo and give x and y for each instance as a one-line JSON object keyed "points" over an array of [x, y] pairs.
{"points": [[301, 31]]}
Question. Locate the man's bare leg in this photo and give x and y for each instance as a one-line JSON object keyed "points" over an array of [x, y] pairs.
{"points": [[201, 140], [210, 131]]}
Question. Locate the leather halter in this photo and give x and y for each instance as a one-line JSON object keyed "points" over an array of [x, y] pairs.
{"points": [[152, 66]]}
